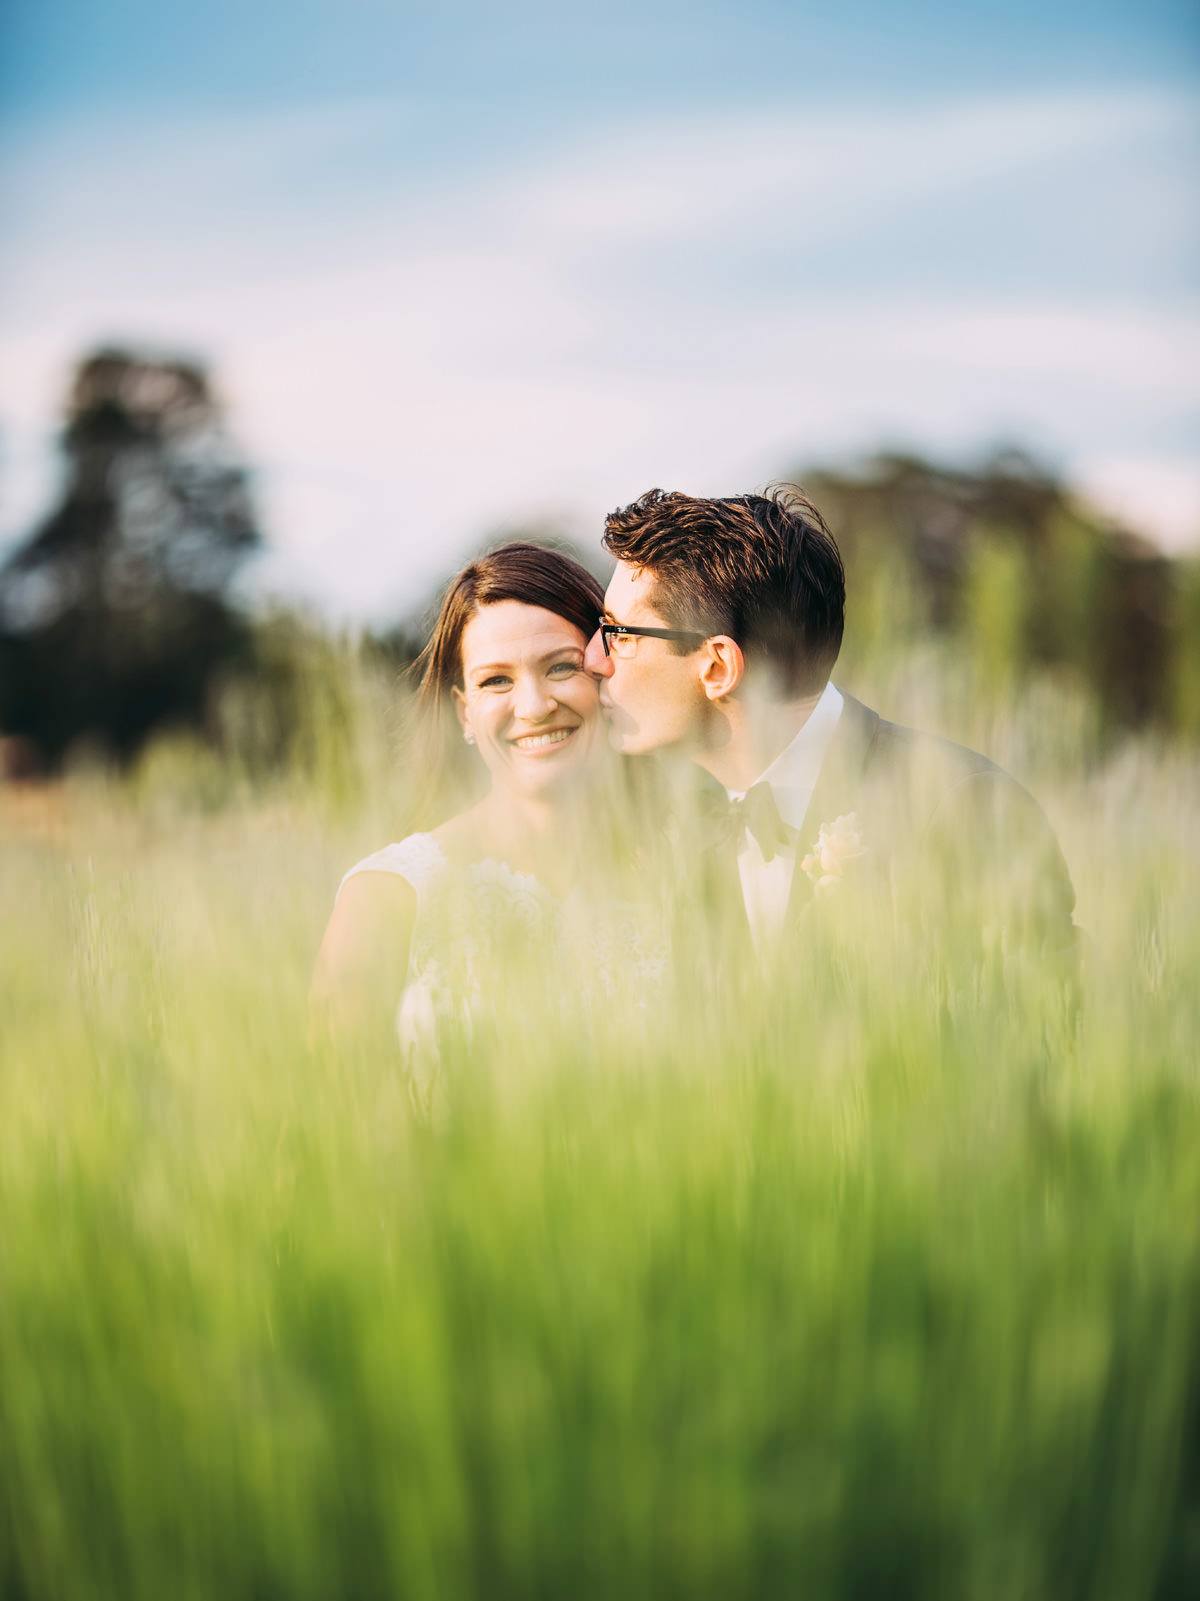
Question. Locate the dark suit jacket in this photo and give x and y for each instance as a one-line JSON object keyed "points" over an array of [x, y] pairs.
{"points": [[940, 821]]}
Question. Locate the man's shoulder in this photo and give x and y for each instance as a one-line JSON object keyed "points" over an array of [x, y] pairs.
{"points": [[957, 806], [929, 780], [887, 744], [889, 741]]}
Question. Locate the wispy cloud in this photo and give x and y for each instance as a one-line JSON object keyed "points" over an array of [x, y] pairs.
{"points": [[787, 169], [417, 358]]}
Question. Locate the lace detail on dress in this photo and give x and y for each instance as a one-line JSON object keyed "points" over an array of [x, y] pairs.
{"points": [[469, 916], [465, 913]]}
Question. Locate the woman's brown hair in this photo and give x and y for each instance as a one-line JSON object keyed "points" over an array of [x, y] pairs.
{"points": [[535, 575]]}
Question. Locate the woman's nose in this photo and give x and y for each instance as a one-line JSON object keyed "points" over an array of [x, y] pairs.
{"points": [[596, 659], [533, 701]]}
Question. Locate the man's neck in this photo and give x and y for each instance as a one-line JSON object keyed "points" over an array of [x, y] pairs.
{"points": [[749, 739]]}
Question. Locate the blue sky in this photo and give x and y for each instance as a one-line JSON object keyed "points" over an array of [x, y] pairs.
{"points": [[75, 57], [459, 265]]}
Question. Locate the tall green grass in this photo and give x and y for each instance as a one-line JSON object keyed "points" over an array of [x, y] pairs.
{"points": [[878, 1277]]}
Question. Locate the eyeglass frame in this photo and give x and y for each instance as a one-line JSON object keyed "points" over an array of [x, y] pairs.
{"points": [[680, 634]]}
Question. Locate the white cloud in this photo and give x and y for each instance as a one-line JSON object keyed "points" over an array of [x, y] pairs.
{"points": [[469, 355], [789, 171]]}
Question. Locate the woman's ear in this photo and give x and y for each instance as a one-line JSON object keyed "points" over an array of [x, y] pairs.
{"points": [[722, 666], [460, 711]]}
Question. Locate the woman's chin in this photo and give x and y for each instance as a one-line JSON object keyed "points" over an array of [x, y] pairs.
{"points": [[555, 767]]}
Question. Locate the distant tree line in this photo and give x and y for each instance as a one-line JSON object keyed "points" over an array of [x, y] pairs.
{"points": [[1003, 555], [117, 616]]}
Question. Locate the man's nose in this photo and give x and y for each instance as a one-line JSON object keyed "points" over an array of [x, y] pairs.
{"points": [[596, 659]]}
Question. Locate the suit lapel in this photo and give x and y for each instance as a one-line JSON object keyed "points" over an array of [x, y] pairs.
{"points": [[838, 784]]}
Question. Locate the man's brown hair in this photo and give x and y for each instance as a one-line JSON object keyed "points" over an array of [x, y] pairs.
{"points": [[763, 569]]}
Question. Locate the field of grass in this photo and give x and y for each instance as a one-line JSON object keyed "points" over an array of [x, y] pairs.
{"points": [[883, 1281]]}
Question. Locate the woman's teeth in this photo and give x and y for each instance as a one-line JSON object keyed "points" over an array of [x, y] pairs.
{"points": [[537, 741]]}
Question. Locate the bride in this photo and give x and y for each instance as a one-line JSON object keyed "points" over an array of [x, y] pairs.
{"points": [[504, 707]]}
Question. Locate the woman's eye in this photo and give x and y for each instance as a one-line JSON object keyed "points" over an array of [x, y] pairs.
{"points": [[494, 682], [563, 668]]}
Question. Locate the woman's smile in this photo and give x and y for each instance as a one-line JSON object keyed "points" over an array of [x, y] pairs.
{"points": [[537, 744]]}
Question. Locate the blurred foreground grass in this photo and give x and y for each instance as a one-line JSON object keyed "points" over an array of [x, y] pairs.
{"points": [[830, 1289]]}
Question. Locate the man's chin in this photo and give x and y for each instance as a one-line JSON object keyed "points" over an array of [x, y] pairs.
{"points": [[627, 743], [627, 737]]}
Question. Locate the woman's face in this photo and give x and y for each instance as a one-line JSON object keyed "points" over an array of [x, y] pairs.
{"points": [[526, 700]]}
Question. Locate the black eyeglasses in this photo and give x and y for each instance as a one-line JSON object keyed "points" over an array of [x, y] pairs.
{"points": [[621, 639]]}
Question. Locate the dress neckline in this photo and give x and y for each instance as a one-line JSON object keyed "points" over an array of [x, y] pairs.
{"points": [[501, 868]]}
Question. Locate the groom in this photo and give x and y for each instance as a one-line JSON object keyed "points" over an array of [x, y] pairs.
{"points": [[722, 624]]}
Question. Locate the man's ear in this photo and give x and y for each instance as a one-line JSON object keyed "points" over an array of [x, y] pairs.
{"points": [[722, 666], [460, 708]]}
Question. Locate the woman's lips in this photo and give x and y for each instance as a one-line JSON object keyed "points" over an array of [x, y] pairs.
{"points": [[534, 744]]}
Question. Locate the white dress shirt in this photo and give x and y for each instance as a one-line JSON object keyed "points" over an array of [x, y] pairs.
{"points": [[767, 886]]}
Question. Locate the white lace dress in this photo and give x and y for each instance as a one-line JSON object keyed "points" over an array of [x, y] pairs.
{"points": [[469, 916]]}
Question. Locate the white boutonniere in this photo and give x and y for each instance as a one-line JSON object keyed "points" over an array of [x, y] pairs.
{"points": [[837, 844]]}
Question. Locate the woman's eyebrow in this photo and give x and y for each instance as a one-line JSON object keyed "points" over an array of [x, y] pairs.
{"points": [[559, 650]]}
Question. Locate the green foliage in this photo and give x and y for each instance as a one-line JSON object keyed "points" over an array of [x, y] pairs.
{"points": [[1185, 667], [1021, 576], [877, 1279], [873, 1275], [995, 611]]}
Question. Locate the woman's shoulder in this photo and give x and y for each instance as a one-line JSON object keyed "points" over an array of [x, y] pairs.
{"points": [[418, 858], [366, 939]]}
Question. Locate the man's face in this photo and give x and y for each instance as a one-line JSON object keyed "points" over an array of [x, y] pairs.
{"points": [[652, 699]]}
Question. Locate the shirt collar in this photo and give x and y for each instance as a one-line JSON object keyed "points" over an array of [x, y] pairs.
{"points": [[793, 774]]}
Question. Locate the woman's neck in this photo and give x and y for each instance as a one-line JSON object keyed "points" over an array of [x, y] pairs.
{"points": [[533, 834]]}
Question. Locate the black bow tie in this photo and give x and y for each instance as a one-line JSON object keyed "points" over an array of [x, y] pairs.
{"points": [[756, 813]]}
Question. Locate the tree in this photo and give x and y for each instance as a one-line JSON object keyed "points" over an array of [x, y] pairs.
{"points": [[1005, 537], [115, 615]]}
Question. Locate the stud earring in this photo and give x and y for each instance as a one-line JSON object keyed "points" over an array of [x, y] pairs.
{"points": [[469, 736]]}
